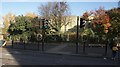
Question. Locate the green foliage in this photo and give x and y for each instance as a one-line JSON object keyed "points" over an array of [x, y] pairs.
{"points": [[21, 28], [114, 30], [88, 32], [99, 31], [72, 37], [53, 38]]}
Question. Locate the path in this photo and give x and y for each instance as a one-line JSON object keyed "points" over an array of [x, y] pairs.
{"points": [[57, 49]]}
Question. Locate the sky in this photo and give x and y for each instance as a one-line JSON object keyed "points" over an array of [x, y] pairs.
{"points": [[76, 8], [59, 0]]}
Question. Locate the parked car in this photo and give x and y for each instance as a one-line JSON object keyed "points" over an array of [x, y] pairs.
{"points": [[2, 43]]}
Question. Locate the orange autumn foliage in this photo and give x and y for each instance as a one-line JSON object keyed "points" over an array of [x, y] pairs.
{"points": [[85, 15], [100, 17], [106, 31]]}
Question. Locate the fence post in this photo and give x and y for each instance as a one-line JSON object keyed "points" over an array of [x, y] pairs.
{"points": [[24, 44], [118, 56], [12, 44], [105, 55], [38, 45]]}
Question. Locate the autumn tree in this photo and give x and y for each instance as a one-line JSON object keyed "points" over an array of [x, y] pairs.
{"points": [[56, 13], [100, 23], [7, 21], [30, 14], [100, 17]]}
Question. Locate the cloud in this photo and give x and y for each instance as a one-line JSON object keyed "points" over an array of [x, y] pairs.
{"points": [[60, 0]]}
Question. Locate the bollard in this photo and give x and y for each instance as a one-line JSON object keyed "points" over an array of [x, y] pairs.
{"points": [[38, 46], [118, 56]]}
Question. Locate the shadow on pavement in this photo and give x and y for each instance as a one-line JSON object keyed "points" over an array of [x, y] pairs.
{"points": [[53, 54]]}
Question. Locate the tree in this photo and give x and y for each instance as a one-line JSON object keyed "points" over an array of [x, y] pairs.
{"points": [[56, 13], [115, 25], [30, 14], [21, 28], [7, 19], [100, 22]]}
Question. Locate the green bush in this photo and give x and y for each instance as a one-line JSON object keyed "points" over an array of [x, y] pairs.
{"points": [[72, 37], [53, 38]]}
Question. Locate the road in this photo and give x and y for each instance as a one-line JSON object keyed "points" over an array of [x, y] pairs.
{"points": [[27, 57]]}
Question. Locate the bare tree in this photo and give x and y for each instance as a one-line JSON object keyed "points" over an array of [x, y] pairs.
{"points": [[56, 13]]}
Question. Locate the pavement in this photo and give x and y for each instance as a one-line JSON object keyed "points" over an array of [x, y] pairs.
{"points": [[56, 54], [56, 49], [0, 56], [66, 50], [28, 57]]}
